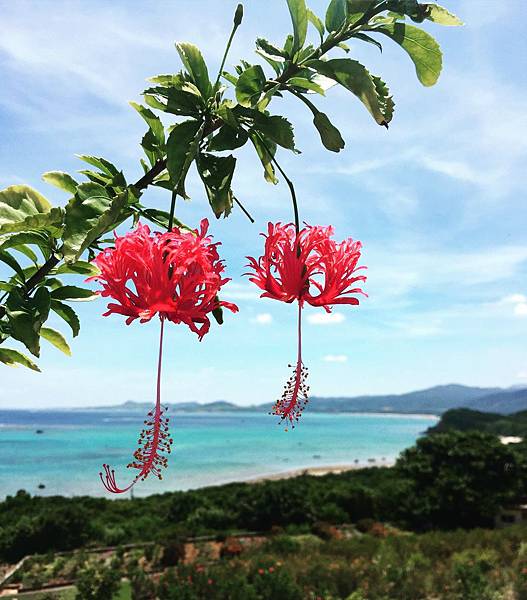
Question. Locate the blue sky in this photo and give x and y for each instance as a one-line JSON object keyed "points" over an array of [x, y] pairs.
{"points": [[438, 202]]}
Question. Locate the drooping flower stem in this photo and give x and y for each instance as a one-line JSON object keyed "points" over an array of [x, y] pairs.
{"points": [[289, 184], [295, 395], [154, 441]]}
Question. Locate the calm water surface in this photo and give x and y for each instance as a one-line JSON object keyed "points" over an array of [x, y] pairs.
{"points": [[209, 448]]}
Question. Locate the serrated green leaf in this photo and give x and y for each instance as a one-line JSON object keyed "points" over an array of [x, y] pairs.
{"points": [[73, 293], [89, 214], [182, 145], [100, 163], [421, 48], [336, 14], [216, 173], [153, 122], [298, 11], [250, 86], [67, 314], [276, 128], [316, 22], [56, 338], [441, 16], [357, 79], [268, 48], [329, 134], [62, 180], [193, 60], [13, 357]]}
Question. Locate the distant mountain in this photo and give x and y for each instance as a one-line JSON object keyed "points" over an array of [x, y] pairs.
{"points": [[503, 401], [435, 400], [465, 419]]}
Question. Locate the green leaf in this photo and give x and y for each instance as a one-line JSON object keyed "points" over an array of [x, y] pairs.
{"points": [[314, 20], [26, 317], [356, 78], [276, 128], [182, 146], [100, 163], [336, 14], [56, 338], [81, 267], [153, 122], [62, 180], [421, 48], [23, 209], [270, 49], [385, 100], [89, 214], [329, 134], [306, 84], [216, 173], [265, 158], [228, 138], [298, 11], [10, 261], [13, 358], [35, 238], [250, 86], [68, 314], [442, 16], [367, 38], [72, 292], [26, 251], [192, 58]]}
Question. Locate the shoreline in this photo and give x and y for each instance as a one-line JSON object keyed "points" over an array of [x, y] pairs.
{"points": [[319, 471]]}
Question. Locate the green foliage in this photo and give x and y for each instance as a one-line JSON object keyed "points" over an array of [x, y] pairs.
{"points": [[459, 479], [465, 419], [98, 583]]}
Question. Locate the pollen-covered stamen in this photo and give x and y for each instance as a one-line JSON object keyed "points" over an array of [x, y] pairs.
{"points": [[154, 441], [295, 395]]}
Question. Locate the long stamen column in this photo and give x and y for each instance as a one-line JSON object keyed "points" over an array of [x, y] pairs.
{"points": [[154, 441], [295, 395]]}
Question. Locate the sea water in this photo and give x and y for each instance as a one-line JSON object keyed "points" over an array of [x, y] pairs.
{"points": [[64, 451]]}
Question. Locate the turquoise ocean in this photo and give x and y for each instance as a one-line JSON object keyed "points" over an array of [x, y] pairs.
{"points": [[209, 448]]}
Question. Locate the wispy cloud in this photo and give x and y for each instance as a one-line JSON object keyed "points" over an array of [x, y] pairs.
{"points": [[324, 318], [335, 358], [263, 319]]}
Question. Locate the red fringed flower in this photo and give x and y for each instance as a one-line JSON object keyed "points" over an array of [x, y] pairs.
{"points": [[178, 276], [307, 266]]}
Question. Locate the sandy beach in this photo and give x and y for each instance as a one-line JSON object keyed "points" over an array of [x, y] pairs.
{"points": [[320, 471]]}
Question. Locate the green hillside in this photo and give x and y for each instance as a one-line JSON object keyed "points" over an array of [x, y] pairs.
{"points": [[465, 419]]}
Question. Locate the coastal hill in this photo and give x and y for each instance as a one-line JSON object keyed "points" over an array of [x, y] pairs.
{"points": [[465, 419], [435, 400]]}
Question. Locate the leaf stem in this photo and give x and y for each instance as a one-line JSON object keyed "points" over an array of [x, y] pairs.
{"points": [[244, 210], [172, 210]]}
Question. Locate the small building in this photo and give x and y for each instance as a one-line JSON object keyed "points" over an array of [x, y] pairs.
{"points": [[511, 515]]}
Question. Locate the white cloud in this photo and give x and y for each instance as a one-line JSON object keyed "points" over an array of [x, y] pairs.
{"points": [[241, 291], [455, 169], [335, 358], [324, 318], [522, 375], [263, 319], [521, 309], [514, 299]]}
